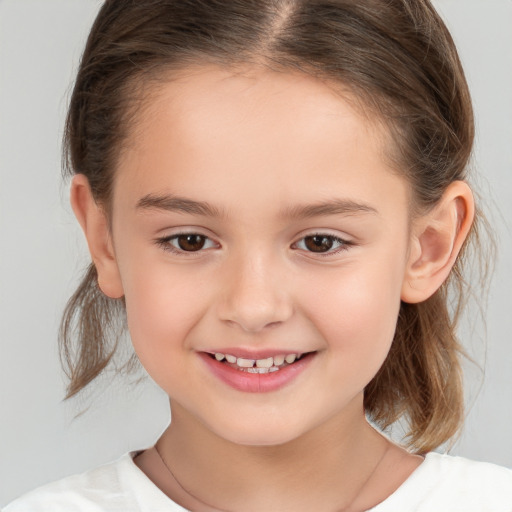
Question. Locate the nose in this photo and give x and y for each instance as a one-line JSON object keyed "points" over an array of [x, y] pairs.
{"points": [[255, 296]]}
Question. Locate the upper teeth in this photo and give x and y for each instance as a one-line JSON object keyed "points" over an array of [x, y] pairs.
{"points": [[268, 362]]}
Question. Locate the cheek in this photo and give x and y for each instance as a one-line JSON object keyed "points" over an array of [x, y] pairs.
{"points": [[357, 315], [162, 306]]}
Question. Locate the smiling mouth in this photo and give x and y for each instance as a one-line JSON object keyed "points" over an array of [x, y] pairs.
{"points": [[260, 366]]}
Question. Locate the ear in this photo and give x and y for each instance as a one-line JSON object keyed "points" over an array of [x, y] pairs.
{"points": [[437, 238], [94, 222]]}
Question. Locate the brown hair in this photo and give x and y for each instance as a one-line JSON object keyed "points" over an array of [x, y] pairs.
{"points": [[396, 56]]}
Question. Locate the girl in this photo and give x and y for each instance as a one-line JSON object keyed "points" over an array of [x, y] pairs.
{"points": [[274, 193]]}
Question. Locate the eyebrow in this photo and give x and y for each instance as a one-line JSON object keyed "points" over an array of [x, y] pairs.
{"points": [[173, 203], [329, 207]]}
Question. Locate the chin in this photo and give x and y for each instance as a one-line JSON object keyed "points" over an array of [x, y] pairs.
{"points": [[259, 433], [259, 439]]}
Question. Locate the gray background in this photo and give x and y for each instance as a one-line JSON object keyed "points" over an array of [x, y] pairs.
{"points": [[42, 251]]}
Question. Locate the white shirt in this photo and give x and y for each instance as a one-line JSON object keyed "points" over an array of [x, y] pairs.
{"points": [[440, 484]]}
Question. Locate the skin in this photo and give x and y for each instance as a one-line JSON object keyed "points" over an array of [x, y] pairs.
{"points": [[256, 146]]}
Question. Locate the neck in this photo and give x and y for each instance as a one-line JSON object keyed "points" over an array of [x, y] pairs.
{"points": [[328, 464]]}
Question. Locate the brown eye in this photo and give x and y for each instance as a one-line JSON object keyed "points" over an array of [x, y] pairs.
{"points": [[319, 243], [323, 244], [190, 242], [184, 244]]}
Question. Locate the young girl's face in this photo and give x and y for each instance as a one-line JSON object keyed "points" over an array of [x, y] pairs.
{"points": [[255, 216]]}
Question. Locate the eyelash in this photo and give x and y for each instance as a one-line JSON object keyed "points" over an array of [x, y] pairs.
{"points": [[344, 245], [166, 244]]}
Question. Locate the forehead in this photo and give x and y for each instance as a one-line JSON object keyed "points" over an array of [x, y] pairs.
{"points": [[205, 95], [208, 130]]}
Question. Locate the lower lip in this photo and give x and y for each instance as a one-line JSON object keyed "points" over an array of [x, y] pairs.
{"points": [[257, 382]]}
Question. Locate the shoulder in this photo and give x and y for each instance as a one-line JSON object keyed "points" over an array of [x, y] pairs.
{"points": [[117, 486], [470, 476], [457, 484]]}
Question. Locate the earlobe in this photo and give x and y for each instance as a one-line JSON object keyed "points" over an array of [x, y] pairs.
{"points": [[94, 223], [437, 239]]}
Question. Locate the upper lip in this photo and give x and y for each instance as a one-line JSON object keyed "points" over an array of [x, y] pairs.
{"points": [[255, 354]]}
